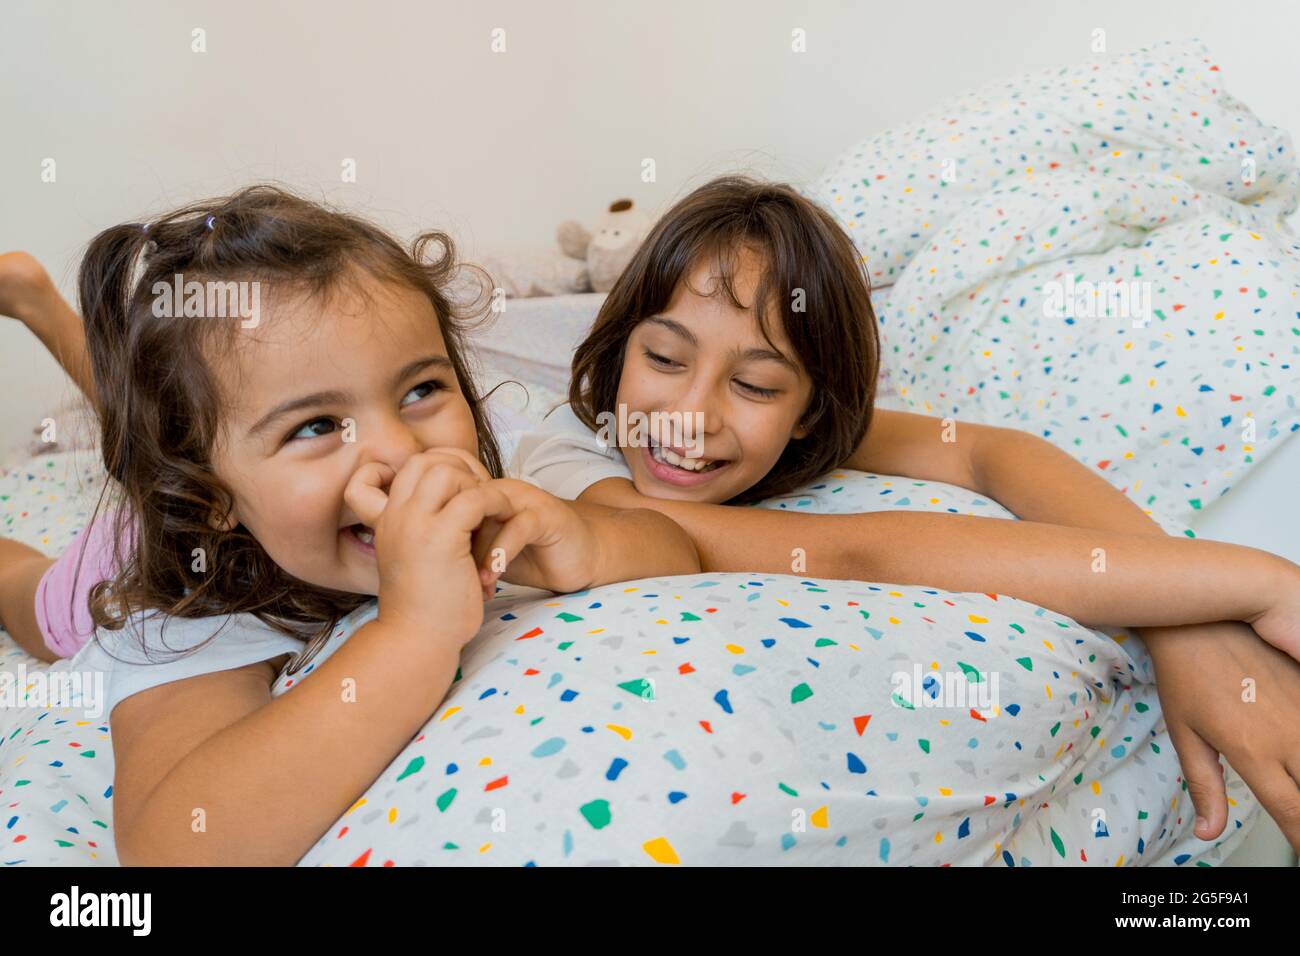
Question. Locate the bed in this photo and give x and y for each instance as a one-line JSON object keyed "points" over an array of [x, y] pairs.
{"points": [[745, 719]]}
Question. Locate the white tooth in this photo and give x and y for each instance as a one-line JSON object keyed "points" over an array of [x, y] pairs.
{"points": [[663, 454]]}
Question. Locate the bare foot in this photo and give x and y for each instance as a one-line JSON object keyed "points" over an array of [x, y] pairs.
{"points": [[29, 295], [25, 288]]}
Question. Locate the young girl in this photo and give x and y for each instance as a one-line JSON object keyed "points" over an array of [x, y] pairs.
{"points": [[747, 309], [276, 472]]}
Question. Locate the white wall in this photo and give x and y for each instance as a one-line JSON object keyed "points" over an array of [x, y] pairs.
{"points": [[498, 148]]}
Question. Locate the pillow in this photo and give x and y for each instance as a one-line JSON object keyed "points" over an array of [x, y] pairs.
{"points": [[534, 339], [1094, 255]]}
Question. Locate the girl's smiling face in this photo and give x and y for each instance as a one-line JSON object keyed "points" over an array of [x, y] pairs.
{"points": [[701, 354], [315, 392]]}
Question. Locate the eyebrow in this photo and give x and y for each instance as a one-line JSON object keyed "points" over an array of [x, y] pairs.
{"points": [[751, 354], [335, 397]]}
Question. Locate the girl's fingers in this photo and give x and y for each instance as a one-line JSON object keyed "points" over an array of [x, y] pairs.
{"points": [[1274, 786], [407, 480], [1204, 776], [515, 535], [439, 484], [411, 475], [477, 467], [481, 540], [365, 494], [468, 510]]}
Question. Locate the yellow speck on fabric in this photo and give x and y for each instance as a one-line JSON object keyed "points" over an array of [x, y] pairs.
{"points": [[661, 851]]}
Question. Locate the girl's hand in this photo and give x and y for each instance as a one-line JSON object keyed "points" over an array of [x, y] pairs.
{"points": [[366, 493], [542, 543], [1203, 672], [423, 529], [1280, 623]]}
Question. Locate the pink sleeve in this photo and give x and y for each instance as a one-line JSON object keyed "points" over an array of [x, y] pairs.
{"points": [[63, 594]]}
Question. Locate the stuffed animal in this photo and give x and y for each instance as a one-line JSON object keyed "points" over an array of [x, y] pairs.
{"points": [[587, 259], [609, 249]]}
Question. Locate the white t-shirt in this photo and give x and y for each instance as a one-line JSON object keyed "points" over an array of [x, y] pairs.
{"points": [[565, 457], [241, 639]]}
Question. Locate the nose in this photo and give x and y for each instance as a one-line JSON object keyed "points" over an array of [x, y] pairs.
{"points": [[389, 441], [704, 396]]}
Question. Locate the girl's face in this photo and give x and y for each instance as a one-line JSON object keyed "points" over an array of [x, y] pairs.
{"points": [[702, 354], [316, 392]]}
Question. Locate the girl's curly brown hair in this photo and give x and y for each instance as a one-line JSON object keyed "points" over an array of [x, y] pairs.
{"points": [[159, 405]]}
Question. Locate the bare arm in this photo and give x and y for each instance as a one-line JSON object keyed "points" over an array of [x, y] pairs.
{"points": [[637, 543], [269, 774], [1144, 580], [1037, 481], [565, 546], [1027, 475]]}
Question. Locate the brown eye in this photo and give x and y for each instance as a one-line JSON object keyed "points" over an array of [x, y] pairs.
{"points": [[422, 391], [313, 429]]}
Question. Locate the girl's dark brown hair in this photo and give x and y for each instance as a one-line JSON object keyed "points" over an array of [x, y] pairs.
{"points": [[804, 251], [160, 408]]}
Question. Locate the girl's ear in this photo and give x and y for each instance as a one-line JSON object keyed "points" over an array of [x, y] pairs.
{"points": [[228, 523], [806, 421]]}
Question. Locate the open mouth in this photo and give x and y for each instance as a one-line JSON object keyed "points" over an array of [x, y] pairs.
{"points": [[361, 533], [667, 456], [674, 468]]}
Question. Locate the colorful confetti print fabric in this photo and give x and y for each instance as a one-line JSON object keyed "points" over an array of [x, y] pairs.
{"points": [[56, 763], [1095, 255], [728, 719]]}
